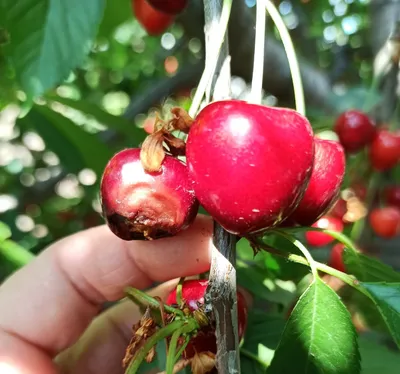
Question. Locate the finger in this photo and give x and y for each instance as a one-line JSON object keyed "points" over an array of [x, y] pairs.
{"points": [[52, 300], [102, 346]]}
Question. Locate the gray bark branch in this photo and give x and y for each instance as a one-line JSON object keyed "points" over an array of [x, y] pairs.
{"points": [[221, 292]]}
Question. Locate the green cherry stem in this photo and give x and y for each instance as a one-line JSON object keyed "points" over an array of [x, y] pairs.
{"points": [[183, 326], [211, 65], [182, 348], [291, 55], [346, 278], [303, 249], [179, 299], [258, 66], [144, 300], [13, 252]]}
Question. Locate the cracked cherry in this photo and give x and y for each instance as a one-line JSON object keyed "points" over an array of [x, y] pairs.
{"points": [[193, 292], [324, 186], [250, 164], [151, 19], [384, 152], [141, 205], [335, 259], [385, 221], [355, 130], [320, 239], [169, 6], [392, 196]]}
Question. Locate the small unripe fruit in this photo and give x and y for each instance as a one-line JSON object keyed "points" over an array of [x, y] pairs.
{"points": [[141, 205], [355, 130], [250, 164]]}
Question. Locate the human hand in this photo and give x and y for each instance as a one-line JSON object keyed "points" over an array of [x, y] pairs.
{"points": [[49, 310]]}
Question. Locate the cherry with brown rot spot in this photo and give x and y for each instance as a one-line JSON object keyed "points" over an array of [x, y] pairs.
{"points": [[324, 186], [385, 222], [193, 292], [392, 196], [335, 258], [146, 205], [355, 130], [169, 6], [320, 239], [250, 164], [152, 20], [384, 152]]}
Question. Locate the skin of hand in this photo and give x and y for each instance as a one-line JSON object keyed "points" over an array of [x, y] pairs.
{"points": [[50, 320]]}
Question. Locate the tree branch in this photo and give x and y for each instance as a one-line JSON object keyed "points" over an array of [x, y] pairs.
{"points": [[221, 292]]}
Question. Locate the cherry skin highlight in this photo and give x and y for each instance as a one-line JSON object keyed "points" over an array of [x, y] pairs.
{"points": [[193, 292], [324, 186], [169, 6], [385, 150], [250, 164], [355, 130], [151, 19], [335, 259], [385, 221], [141, 205], [320, 239]]}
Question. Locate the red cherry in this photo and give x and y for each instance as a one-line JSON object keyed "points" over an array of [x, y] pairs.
{"points": [[392, 196], [385, 221], [339, 209], [250, 164], [319, 239], [355, 130], [335, 259], [324, 186], [193, 292], [385, 150], [141, 205], [169, 6], [152, 20]]}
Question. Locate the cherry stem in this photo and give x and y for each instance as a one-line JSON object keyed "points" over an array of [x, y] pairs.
{"points": [[347, 242], [188, 325], [172, 351], [302, 248], [291, 55], [179, 299], [211, 62], [346, 278], [144, 300], [182, 348], [258, 65]]}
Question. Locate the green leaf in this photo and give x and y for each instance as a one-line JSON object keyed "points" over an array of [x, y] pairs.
{"points": [[376, 358], [387, 299], [368, 269], [319, 337], [262, 328], [5, 232], [119, 124], [76, 148], [49, 38], [116, 13]]}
